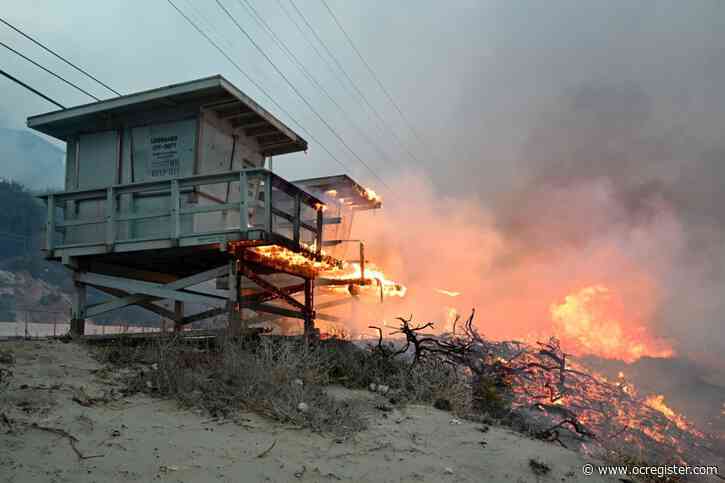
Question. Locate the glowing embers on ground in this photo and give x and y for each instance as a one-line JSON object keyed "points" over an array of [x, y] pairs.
{"points": [[591, 321], [567, 391], [375, 281]]}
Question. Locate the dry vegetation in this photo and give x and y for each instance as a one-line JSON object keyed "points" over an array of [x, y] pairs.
{"points": [[285, 379], [526, 388]]}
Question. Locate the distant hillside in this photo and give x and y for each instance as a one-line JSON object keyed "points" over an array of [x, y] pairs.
{"points": [[30, 160]]}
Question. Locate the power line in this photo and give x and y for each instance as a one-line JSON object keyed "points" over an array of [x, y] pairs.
{"points": [[47, 49], [300, 95], [312, 79], [257, 85], [314, 47], [48, 70], [372, 72], [31, 89], [352, 82]]}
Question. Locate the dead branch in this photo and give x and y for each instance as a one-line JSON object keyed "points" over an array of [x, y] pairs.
{"points": [[380, 336], [71, 439], [7, 422], [573, 422], [266, 451]]}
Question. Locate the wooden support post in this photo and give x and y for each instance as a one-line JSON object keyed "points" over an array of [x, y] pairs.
{"points": [[78, 309], [178, 315], [318, 240], [233, 299], [309, 312]]}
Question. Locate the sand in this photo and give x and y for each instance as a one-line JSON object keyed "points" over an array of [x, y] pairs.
{"points": [[139, 438]]}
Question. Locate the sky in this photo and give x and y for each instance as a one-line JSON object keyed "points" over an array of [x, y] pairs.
{"points": [[472, 77], [566, 129]]}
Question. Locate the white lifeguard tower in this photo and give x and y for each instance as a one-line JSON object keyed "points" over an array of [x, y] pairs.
{"points": [[166, 190]]}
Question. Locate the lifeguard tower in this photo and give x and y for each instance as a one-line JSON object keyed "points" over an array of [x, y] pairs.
{"points": [[168, 206], [166, 189]]}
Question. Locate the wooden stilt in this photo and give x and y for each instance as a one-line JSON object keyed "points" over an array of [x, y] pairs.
{"points": [[309, 312], [179, 315], [233, 301], [78, 310]]}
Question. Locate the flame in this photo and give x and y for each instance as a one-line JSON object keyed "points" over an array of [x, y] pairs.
{"points": [[585, 324], [372, 196], [657, 402], [375, 279], [285, 259], [448, 292], [331, 193]]}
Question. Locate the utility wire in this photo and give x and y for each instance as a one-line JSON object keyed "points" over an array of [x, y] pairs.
{"points": [[280, 43], [300, 95], [372, 72], [314, 47], [31, 89], [48, 71], [47, 49], [352, 82], [257, 85]]}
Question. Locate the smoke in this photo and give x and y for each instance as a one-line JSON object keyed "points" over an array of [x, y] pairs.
{"points": [[608, 199]]}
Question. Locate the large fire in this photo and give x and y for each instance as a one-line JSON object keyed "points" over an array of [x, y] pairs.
{"points": [[590, 321]]}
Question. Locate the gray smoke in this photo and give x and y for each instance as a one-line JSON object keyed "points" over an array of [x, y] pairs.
{"points": [[592, 131]]}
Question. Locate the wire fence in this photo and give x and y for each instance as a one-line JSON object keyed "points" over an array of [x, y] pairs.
{"points": [[35, 323]]}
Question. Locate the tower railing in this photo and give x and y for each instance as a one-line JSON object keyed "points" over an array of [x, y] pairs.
{"points": [[254, 205]]}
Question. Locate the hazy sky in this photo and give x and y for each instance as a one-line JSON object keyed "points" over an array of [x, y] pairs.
{"points": [[474, 77]]}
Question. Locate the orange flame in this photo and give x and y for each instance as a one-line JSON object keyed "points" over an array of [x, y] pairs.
{"points": [[657, 402], [372, 196], [285, 259], [585, 326], [353, 273]]}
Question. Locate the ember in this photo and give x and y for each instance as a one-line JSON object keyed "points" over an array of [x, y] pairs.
{"points": [[560, 399]]}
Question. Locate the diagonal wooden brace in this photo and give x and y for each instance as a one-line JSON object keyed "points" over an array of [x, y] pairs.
{"points": [[139, 292], [281, 293], [146, 304]]}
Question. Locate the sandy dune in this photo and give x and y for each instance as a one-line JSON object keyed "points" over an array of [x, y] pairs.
{"points": [[143, 439]]}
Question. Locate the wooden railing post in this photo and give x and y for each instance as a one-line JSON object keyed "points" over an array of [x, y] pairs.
{"points": [[268, 202], [110, 219], [296, 214], [243, 203], [175, 210]]}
